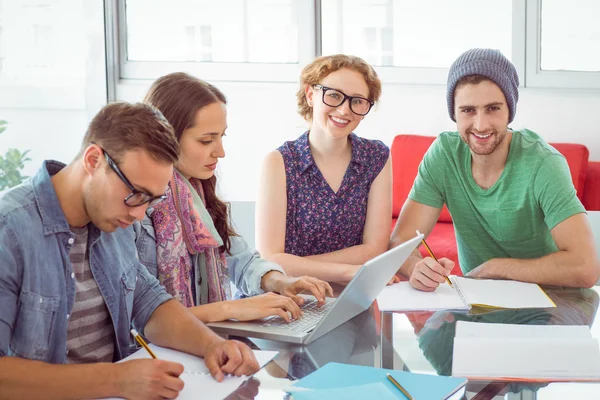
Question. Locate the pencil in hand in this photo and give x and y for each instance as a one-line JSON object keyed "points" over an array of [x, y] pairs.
{"points": [[142, 342], [432, 256]]}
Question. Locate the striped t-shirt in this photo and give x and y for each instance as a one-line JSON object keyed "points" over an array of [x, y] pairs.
{"points": [[90, 333]]}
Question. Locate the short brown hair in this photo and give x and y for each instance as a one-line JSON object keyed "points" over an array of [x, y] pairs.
{"points": [[325, 65], [122, 127], [179, 96]]}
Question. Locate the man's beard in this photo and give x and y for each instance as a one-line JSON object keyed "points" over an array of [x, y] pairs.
{"points": [[487, 148]]}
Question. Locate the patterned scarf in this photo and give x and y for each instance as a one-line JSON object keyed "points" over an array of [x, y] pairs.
{"points": [[180, 232]]}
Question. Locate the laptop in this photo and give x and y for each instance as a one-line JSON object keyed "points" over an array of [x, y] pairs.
{"points": [[358, 295]]}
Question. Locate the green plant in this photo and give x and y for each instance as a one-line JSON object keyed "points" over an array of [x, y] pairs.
{"points": [[11, 164]]}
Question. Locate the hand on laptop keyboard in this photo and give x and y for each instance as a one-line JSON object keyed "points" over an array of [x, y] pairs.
{"points": [[312, 314], [261, 306], [292, 286]]}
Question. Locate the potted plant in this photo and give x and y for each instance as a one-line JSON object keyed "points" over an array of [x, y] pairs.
{"points": [[11, 164]]}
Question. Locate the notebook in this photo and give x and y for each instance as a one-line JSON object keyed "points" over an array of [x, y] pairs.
{"points": [[337, 381], [508, 352], [198, 383], [464, 294]]}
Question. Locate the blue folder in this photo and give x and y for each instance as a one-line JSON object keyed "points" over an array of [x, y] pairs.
{"points": [[336, 380]]}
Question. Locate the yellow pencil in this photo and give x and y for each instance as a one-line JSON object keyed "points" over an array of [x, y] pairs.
{"points": [[142, 342], [432, 256], [399, 386]]}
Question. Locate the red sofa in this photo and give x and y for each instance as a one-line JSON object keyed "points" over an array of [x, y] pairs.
{"points": [[408, 151]]}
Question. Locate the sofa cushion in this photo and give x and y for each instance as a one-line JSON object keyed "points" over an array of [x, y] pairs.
{"points": [[407, 153], [591, 195], [577, 156], [442, 241]]}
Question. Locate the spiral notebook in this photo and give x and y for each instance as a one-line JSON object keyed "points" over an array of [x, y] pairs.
{"points": [[196, 377], [464, 294]]}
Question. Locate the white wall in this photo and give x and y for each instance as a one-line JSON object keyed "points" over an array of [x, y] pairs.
{"points": [[263, 115]]}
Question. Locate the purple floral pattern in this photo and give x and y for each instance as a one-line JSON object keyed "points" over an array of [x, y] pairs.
{"points": [[318, 219]]}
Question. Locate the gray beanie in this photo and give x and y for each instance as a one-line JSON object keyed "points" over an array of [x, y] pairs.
{"points": [[490, 63]]}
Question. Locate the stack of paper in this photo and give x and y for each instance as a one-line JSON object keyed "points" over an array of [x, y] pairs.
{"points": [[525, 352], [343, 381], [196, 377]]}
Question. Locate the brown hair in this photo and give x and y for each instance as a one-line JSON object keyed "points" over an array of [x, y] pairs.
{"points": [[325, 65], [179, 96], [122, 127]]}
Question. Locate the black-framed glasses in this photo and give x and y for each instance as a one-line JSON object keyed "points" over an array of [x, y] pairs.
{"points": [[335, 98], [137, 197]]}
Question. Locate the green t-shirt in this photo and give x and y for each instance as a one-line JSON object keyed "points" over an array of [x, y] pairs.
{"points": [[513, 218]]}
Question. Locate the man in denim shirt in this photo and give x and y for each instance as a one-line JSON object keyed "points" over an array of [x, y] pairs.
{"points": [[70, 283]]}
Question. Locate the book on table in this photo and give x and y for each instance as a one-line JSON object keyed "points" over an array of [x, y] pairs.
{"points": [[463, 294], [350, 382]]}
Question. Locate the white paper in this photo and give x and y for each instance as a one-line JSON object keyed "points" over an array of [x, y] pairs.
{"points": [[403, 297], [545, 352], [502, 293], [544, 359], [502, 331], [198, 381]]}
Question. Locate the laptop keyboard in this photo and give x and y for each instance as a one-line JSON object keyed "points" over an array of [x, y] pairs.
{"points": [[311, 317]]}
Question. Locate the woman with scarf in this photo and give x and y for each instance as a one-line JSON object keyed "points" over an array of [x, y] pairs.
{"points": [[186, 240]]}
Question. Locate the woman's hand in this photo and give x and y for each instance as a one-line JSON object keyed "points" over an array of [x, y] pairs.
{"points": [[291, 287], [261, 306]]}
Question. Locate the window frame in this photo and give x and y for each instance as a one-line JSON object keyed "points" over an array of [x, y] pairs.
{"points": [[526, 56], [538, 78], [220, 71], [439, 76]]}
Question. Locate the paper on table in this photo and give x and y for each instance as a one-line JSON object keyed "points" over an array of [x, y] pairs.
{"points": [[505, 331], [198, 381], [192, 363], [403, 297], [543, 359], [502, 293], [525, 352]]}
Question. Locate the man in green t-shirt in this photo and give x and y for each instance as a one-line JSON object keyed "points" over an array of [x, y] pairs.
{"points": [[515, 211]]}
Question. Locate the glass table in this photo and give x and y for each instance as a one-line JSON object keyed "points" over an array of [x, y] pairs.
{"points": [[422, 342]]}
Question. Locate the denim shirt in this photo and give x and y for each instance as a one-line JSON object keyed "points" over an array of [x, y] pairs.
{"points": [[37, 284], [244, 265]]}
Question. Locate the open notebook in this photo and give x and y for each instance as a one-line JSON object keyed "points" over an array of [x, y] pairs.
{"points": [[525, 352], [463, 294], [196, 377]]}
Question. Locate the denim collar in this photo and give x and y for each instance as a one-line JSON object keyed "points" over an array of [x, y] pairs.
{"points": [[53, 217]]}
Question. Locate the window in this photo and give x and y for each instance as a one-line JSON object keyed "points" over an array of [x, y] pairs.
{"points": [[424, 34], [228, 39], [570, 35], [52, 75], [561, 41]]}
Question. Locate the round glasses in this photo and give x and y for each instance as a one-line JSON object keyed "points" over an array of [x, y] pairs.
{"points": [[335, 98]]}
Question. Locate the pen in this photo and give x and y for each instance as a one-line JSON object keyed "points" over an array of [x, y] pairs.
{"points": [[399, 386], [142, 342], [432, 256]]}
